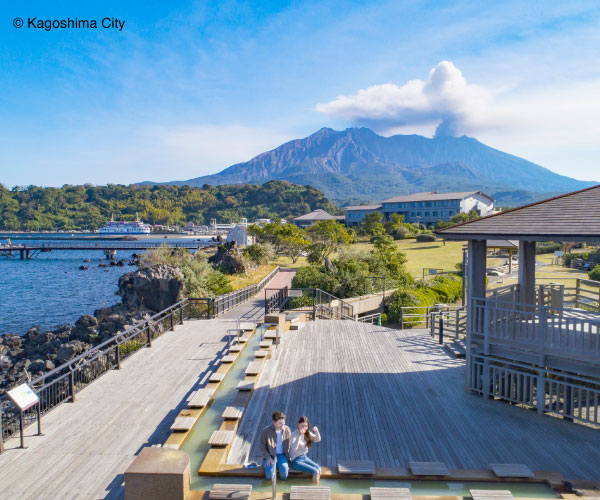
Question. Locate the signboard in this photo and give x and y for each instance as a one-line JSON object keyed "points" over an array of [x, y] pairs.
{"points": [[558, 253], [23, 396], [294, 293]]}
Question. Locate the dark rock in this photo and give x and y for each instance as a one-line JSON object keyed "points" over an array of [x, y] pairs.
{"points": [[121, 263], [49, 365], [83, 268], [87, 321], [228, 258], [103, 265], [87, 260], [156, 287], [70, 350], [39, 365]]}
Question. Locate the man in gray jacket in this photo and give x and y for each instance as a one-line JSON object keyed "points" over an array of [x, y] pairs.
{"points": [[275, 443]]}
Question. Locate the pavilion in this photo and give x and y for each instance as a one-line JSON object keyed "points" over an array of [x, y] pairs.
{"points": [[522, 345]]}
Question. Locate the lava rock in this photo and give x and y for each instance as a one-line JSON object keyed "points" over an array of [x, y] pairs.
{"points": [[156, 287]]}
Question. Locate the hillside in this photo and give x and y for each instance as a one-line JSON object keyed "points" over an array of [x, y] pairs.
{"points": [[89, 207], [358, 164]]}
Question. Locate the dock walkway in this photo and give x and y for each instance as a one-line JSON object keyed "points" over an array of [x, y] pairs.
{"points": [[394, 397], [88, 444]]}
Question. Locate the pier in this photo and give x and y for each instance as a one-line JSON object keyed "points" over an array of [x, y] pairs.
{"points": [[28, 250]]}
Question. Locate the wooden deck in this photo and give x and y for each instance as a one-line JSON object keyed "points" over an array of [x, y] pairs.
{"points": [[88, 444], [396, 397]]}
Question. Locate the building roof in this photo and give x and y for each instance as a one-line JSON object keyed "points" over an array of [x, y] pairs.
{"points": [[435, 196], [319, 214], [569, 217], [502, 244], [363, 207]]}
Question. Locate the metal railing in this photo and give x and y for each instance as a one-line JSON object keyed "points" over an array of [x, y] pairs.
{"points": [[65, 381], [309, 300]]}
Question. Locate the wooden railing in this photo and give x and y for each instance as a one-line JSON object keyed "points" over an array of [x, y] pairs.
{"points": [[454, 322], [552, 392], [542, 329], [65, 381]]}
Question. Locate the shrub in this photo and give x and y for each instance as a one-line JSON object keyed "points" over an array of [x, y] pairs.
{"points": [[594, 274], [547, 247], [426, 237], [259, 254], [400, 233], [447, 287]]}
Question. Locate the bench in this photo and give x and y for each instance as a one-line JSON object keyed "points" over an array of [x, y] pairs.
{"points": [[428, 468], [235, 348], [254, 368], [390, 494], [216, 377], [230, 492], [183, 424], [201, 398], [310, 493], [230, 358], [511, 470], [347, 467], [245, 386], [221, 438], [491, 495], [260, 354], [233, 412], [265, 344]]}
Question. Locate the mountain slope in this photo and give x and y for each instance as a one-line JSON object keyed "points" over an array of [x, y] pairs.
{"points": [[358, 164]]}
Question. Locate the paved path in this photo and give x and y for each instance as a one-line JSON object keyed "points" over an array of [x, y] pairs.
{"points": [[395, 396], [88, 444]]}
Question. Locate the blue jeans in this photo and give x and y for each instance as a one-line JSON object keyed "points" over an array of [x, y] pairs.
{"points": [[305, 464], [282, 465]]}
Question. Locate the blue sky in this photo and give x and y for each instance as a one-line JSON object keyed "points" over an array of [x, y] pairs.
{"points": [[189, 88]]}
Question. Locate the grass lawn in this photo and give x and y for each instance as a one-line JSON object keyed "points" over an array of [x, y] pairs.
{"points": [[419, 254], [238, 281]]}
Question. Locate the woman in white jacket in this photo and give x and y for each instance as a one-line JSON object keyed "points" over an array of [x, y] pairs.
{"points": [[300, 442]]}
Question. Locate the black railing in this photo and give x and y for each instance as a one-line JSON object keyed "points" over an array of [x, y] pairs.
{"points": [[65, 381], [312, 300]]}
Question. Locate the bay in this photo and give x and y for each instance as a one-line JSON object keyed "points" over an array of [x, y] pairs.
{"points": [[50, 290]]}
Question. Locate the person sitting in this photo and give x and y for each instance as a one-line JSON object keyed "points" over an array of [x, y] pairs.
{"points": [[300, 442], [275, 445]]}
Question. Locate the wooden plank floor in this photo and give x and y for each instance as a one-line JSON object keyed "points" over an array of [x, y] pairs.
{"points": [[396, 397], [88, 445]]}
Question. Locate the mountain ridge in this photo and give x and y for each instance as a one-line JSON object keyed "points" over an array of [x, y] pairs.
{"points": [[358, 164]]}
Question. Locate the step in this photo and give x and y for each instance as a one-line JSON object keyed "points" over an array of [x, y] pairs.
{"points": [[428, 468], [254, 368], [310, 493], [230, 358], [216, 377], [451, 348], [245, 386], [261, 354], [201, 398], [230, 492], [235, 348], [353, 467], [390, 494]]}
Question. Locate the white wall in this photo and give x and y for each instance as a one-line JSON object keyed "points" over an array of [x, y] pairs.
{"points": [[482, 203]]}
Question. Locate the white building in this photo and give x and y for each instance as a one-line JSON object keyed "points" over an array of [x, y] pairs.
{"points": [[240, 235], [426, 208]]}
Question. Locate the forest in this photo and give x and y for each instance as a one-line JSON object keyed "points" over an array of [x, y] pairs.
{"points": [[88, 207]]}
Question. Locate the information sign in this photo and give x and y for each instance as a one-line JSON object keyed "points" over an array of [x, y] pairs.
{"points": [[23, 396]]}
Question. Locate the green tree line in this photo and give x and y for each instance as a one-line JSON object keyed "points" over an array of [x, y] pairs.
{"points": [[86, 206]]}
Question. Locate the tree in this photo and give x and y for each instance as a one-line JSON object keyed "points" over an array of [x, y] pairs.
{"points": [[371, 224], [595, 273], [386, 260], [294, 247], [326, 237]]}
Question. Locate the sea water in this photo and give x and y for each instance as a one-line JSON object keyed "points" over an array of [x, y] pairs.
{"points": [[50, 289]]}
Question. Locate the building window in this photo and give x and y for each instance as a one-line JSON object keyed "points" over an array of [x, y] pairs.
{"points": [[414, 204], [428, 203], [419, 214], [427, 214], [445, 203], [412, 214], [421, 203], [454, 203], [435, 213]]}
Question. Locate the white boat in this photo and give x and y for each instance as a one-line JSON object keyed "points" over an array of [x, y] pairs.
{"points": [[126, 227]]}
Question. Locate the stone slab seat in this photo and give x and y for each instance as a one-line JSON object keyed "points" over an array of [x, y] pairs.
{"points": [[216, 377], [491, 495], [230, 358], [353, 467], [230, 492], [233, 412], [201, 398], [245, 386], [429, 468], [512, 470], [390, 494], [310, 493]]}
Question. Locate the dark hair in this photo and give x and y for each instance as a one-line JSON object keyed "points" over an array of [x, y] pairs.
{"points": [[307, 433], [277, 415]]}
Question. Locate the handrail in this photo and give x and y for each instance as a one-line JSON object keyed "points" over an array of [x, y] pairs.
{"points": [[64, 381]]}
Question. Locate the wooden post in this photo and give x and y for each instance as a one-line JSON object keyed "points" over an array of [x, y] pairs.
{"points": [[510, 252], [118, 356], [541, 392], [1, 433], [577, 291], [527, 272], [72, 384], [21, 429], [149, 336], [475, 289]]}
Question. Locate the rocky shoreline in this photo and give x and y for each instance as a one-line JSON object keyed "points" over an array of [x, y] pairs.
{"points": [[143, 293]]}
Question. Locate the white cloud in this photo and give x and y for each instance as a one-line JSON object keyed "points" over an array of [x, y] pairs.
{"points": [[445, 97]]}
